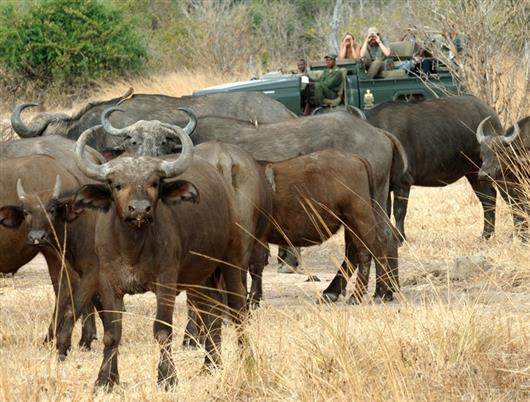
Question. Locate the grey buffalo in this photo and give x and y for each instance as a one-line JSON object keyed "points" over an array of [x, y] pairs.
{"points": [[505, 161], [439, 138]]}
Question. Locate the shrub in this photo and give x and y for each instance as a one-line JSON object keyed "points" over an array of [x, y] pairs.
{"points": [[68, 42]]}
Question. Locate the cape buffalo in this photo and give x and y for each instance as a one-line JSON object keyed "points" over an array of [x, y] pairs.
{"points": [[30, 206], [295, 137], [439, 138], [505, 161], [169, 225], [314, 195], [253, 107]]}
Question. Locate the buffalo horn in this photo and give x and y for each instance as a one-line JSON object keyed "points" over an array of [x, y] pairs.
{"points": [[89, 168], [179, 165], [358, 111], [106, 123], [20, 190], [513, 136], [57, 188], [18, 125], [190, 127], [480, 130]]}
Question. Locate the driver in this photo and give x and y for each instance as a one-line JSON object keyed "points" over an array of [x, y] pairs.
{"points": [[327, 86]]}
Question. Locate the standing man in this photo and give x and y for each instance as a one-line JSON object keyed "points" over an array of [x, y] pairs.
{"points": [[374, 52], [327, 86]]}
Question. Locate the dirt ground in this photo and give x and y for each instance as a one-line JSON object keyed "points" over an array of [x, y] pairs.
{"points": [[443, 224]]}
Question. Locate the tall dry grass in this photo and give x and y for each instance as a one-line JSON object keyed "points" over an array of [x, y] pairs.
{"points": [[448, 338]]}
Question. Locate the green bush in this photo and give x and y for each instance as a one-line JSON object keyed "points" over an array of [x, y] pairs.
{"points": [[68, 42]]}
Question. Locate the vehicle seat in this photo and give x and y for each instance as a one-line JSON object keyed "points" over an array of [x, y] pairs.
{"points": [[403, 50], [340, 94]]}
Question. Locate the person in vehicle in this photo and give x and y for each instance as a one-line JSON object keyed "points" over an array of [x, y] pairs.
{"points": [[412, 64], [349, 49], [374, 53], [301, 65], [327, 86]]}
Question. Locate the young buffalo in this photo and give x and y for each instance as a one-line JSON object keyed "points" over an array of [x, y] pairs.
{"points": [[313, 196]]}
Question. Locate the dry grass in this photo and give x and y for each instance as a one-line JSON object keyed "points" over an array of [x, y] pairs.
{"points": [[448, 338]]}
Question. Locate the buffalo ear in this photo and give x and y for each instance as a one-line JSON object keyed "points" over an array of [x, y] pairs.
{"points": [[93, 196], [179, 190], [11, 217]]}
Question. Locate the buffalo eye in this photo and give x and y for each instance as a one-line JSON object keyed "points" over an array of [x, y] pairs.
{"points": [[154, 184], [118, 187], [26, 212]]}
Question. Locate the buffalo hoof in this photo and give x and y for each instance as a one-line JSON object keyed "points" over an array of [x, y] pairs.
{"points": [[287, 269], [487, 235], [383, 298], [86, 344], [106, 383], [312, 278], [167, 384], [61, 357], [190, 343], [354, 300], [328, 298]]}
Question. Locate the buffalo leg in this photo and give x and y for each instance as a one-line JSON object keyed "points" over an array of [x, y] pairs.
{"points": [[192, 335], [112, 308], [401, 201], [84, 293], [257, 263], [392, 246], [338, 284], [486, 194], [518, 209], [88, 328], [163, 333]]}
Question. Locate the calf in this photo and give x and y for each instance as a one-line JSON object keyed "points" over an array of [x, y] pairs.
{"points": [[313, 196], [169, 225]]}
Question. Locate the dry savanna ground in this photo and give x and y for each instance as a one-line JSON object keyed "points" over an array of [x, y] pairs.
{"points": [[457, 331]]}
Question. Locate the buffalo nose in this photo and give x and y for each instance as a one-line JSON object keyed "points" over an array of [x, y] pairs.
{"points": [[37, 237], [139, 207]]}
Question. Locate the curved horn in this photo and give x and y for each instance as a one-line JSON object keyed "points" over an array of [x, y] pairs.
{"points": [[190, 127], [480, 130], [20, 190], [106, 123], [90, 169], [513, 136], [179, 165], [18, 125], [57, 188], [358, 111]]}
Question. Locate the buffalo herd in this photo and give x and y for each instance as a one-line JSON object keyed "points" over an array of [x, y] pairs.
{"points": [[155, 193]]}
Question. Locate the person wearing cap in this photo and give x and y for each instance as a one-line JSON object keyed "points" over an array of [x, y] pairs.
{"points": [[374, 52], [327, 86]]}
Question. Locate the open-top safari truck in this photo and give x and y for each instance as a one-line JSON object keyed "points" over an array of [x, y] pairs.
{"points": [[357, 89]]}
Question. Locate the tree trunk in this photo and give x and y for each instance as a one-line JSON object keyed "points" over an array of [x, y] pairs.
{"points": [[335, 24]]}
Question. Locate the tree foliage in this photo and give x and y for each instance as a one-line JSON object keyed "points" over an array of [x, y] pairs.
{"points": [[68, 41]]}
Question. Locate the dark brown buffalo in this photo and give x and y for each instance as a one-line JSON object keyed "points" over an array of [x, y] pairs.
{"points": [[169, 225], [316, 194], [505, 160], [33, 219], [439, 138]]}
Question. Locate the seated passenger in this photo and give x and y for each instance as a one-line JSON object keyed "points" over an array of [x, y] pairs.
{"points": [[374, 53], [410, 64], [348, 48], [327, 86]]}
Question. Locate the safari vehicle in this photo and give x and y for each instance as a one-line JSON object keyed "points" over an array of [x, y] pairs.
{"points": [[357, 89]]}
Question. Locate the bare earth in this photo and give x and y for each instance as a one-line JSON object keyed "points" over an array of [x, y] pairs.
{"points": [[452, 335]]}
